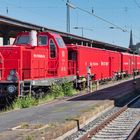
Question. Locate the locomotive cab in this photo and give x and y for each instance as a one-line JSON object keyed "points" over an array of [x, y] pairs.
{"points": [[53, 45], [57, 56]]}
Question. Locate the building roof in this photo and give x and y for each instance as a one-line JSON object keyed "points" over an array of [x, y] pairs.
{"points": [[12, 26]]}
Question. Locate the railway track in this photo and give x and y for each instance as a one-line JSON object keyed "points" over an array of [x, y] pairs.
{"points": [[118, 123]]}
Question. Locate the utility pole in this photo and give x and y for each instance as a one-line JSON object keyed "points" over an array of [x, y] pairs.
{"points": [[68, 17], [82, 29]]}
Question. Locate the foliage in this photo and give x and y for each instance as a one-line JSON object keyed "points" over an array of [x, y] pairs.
{"points": [[25, 102], [29, 138], [47, 98], [67, 88], [56, 90]]}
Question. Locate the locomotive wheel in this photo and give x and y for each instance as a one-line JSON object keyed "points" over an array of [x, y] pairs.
{"points": [[37, 94]]}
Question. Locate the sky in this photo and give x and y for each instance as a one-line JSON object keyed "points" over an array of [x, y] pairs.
{"points": [[52, 14]]}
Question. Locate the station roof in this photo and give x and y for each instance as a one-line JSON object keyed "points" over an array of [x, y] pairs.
{"points": [[12, 26]]}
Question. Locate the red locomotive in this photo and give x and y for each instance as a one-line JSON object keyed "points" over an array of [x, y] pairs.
{"points": [[36, 60]]}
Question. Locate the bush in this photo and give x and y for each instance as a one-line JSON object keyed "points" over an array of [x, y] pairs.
{"points": [[25, 102], [67, 88], [56, 90]]}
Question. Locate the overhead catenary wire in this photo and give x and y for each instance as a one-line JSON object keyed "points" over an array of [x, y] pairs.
{"points": [[93, 14], [101, 18], [137, 4], [77, 7], [29, 9]]}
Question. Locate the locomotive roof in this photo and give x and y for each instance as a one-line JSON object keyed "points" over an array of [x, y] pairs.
{"points": [[13, 26]]}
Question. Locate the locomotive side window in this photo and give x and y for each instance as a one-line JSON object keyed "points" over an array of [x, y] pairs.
{"points": [[42, 40], [52, 49], [72, 55], [60, 42], [24, 39]]}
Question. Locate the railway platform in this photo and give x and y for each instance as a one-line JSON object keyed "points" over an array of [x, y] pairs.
{"points": [[64, 116]]}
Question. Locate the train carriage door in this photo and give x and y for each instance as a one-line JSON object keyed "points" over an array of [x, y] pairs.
{"points": [[134, 63], [129, 65], [52, 63], [63, 57], [72, 59], [111, 66]]}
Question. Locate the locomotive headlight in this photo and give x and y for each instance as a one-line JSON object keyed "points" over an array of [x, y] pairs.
{"points": [[11, 89], [12, 72], [10, 78], [12, 75]]}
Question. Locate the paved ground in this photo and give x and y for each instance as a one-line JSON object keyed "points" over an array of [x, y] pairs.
{"points": [[63, 109], [45, 113]]}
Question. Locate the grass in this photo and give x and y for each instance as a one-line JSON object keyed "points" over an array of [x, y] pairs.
{"points": [[25, 125], [24, 102], [56, 91], [29, 138], [47, 98]]}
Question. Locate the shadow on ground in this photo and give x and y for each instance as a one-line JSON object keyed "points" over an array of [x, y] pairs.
{"points": [[120, 94]]}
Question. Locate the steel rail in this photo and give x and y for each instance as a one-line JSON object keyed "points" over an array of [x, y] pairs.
{"points": [[95, 130], [134, 133]]}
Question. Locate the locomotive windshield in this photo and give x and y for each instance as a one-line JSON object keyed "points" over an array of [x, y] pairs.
{"points": [[42, 40], [23, 39]]}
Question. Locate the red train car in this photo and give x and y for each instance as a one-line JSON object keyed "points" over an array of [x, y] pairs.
{"points": [[129, 63], [104, 63], [138, 63], [115, 63]]}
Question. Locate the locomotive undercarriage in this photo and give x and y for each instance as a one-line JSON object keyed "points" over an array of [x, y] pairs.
{"points": [[38, 88]]}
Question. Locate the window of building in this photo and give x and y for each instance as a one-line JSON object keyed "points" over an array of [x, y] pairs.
{"points": [[42, 40], [52, 49]]}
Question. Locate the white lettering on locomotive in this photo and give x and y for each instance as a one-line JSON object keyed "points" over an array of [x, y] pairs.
{"points": [[39, 56]]}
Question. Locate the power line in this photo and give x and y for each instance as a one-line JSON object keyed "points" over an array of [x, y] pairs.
{"points": [[76, 7], [21, 8], [103, 19], [35, 7], [138, 5]]}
